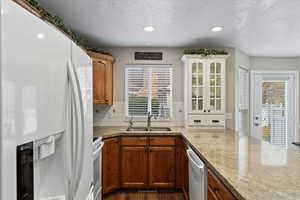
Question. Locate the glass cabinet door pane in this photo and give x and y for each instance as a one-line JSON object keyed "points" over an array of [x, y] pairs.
{"points": [[212, 92], [218, 68], [212, 104], [218, 92], [194, 104], [212, 68], [194, 92], [200, 67], [218, 104], [194, 80], [218, 80], [200, 104], [194, 68], [200, 80], [212, 80], [200, 92]]}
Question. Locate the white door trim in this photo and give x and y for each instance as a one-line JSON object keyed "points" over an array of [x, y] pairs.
{"points": [[296, 90]]}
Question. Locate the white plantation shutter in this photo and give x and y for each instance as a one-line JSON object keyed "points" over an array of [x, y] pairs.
{"points": [[149, 89]]}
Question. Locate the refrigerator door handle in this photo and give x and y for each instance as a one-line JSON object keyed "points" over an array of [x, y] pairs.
{"points": [[80, 133], [73, 128]]}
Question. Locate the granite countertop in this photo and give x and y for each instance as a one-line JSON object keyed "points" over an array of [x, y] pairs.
{"points": [[252, 169]]}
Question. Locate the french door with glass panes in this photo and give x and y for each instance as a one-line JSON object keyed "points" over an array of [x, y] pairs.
{"points": [[207, 85]]}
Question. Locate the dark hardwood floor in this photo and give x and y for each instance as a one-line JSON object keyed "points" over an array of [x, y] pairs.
{"points": [[145, 195]]}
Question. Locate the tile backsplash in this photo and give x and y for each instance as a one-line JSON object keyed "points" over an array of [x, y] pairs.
{"points": [[115, 116]]}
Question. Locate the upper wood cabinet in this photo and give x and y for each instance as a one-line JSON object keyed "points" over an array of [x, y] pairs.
{"points": [[102, 78], [205, 85], [111, 165]]}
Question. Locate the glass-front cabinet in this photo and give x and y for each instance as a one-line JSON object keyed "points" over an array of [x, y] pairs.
{"points": [[197, 86], [207, 91], [204, 97]]}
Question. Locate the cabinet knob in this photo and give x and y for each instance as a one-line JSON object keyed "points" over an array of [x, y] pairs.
{"points": [[216, 189], [208, 111], [204, 110]]}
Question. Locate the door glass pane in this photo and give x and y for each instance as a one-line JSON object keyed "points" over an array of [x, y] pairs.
{"points": [[194, 68], [200, 104], [212, 68], [218, 68], [274, 113], [194, 104]]}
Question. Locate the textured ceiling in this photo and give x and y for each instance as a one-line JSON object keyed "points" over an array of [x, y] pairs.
{"points": [[258, 27]]}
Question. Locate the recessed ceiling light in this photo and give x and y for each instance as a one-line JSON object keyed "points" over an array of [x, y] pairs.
{"points": [[216, 28], [40, 36], [149, 28]]}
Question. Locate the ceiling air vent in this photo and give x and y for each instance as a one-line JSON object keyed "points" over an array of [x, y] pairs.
{"points": [[148, 55]]}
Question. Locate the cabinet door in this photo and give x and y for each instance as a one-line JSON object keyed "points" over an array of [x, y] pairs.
{"points": [[134, 167], [197, 86], [161, 167], [215, 86], [182, 174], [102, 82], [111, 165]]}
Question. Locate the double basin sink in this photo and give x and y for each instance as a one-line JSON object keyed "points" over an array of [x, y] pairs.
{"points": [[145, 129]]}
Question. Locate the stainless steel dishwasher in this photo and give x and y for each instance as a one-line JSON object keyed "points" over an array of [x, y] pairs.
{"points": [[197, 177]]}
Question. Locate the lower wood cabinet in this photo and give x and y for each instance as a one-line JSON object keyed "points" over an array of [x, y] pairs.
{"points": [[134, 167], [182, 171], [216, 189], [111, 165], [161, 167]]}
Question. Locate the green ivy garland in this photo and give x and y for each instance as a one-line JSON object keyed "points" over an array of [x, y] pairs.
{"points": [[58, 22], [204, 52]]}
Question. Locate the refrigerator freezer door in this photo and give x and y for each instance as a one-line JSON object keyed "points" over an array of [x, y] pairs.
{"points": [[33, 85]]}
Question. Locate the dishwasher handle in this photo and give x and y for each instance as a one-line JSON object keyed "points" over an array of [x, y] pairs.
{"points": [[194, 159]]}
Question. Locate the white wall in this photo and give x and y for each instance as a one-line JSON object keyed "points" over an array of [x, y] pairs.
{"points": [[241, 60], [107, 116]]}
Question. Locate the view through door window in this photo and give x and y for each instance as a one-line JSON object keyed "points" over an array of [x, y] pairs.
{"points": [[274, 113]]}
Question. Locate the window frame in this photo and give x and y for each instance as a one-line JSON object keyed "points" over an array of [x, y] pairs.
{"points": [[142, 118]]}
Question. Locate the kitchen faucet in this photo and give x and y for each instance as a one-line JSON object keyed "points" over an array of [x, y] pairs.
{"points": [[149, 121]]}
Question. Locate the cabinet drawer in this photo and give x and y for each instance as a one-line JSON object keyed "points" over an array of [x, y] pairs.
{"points": [[217, 188], [215, 120], [134, 141], [206, 120], [162, 141], [196, 120]]}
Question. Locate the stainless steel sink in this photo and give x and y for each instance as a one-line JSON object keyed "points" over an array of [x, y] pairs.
{"points": [[151, 129], [160, 129], [136, 129]]}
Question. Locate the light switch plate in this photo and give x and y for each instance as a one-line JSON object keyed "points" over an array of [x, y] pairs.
{"points": [[228, 115]]}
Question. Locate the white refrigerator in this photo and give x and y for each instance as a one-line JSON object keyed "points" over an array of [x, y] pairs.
{"points": [[46, 111]]}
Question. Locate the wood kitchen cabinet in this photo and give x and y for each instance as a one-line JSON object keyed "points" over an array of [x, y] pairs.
{"points": [[161, 167], [111, 165], [216, 189], [134, 167], [182, 171], [102, 78]]}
